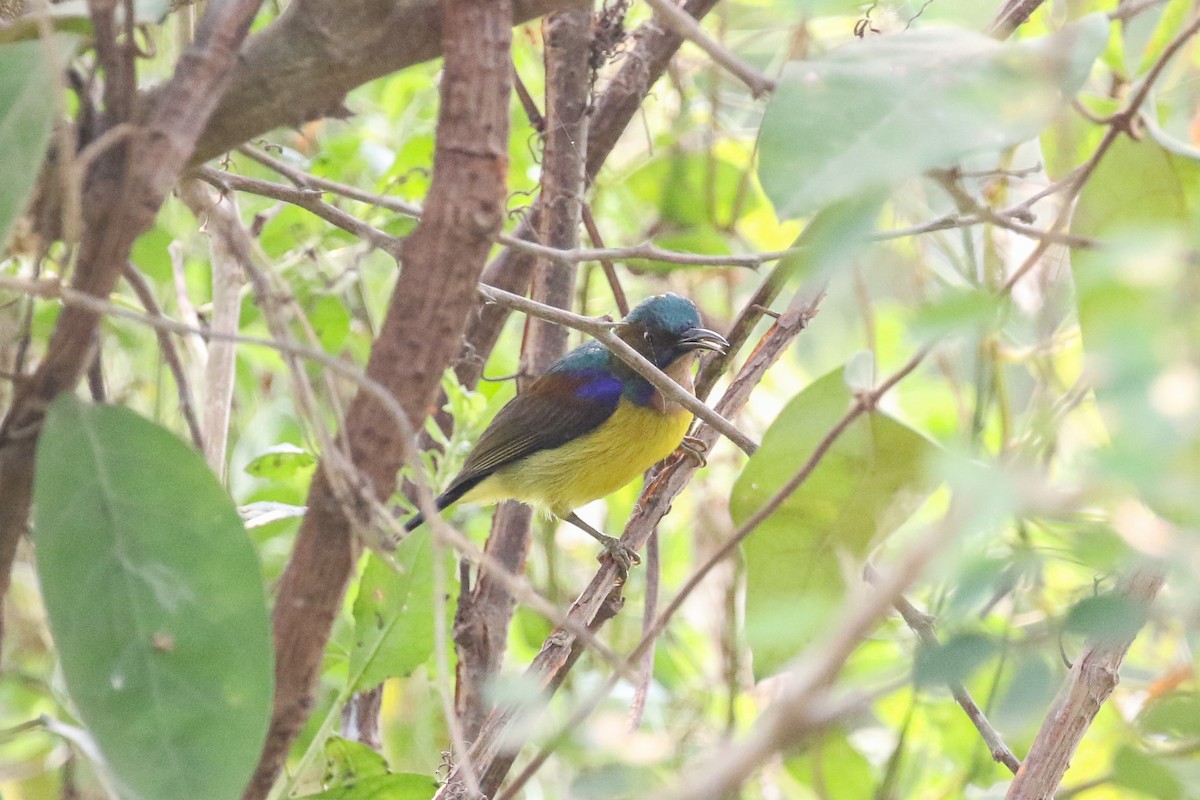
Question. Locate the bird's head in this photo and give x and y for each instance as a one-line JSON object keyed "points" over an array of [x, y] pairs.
{"points": [[666, 327]]}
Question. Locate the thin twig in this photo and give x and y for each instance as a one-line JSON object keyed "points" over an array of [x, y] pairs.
{"points": [[686, 26], [610, 271], [602, 332], [922, 625], [187, 406]]}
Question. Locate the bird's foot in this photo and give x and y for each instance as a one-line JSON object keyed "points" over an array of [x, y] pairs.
{"points": [[693, 447], [624, 557]]}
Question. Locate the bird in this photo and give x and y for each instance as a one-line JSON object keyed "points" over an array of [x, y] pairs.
{"points": [[590, 423]]}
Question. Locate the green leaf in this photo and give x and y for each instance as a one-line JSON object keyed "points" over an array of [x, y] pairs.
{"points": [[155, 602], [834, 764], [681, 185], [282, 462], [393, 613], [1135, 770], [831, 238], [952, 661], [28, 82], [867, 484], [1140, 202], [397, 786], [347, 761], [1108, 617], [331, 321], [1175, 715], [701, 239], [874, 113]]}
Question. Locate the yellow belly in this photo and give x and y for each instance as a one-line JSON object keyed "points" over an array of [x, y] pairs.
{"points": [[631, 441]]}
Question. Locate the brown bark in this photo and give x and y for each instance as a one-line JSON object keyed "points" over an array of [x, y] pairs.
{"points": [[300, 67], [124, 191], [512, 270], [1089, 684], [481, 625], [441, 264]]}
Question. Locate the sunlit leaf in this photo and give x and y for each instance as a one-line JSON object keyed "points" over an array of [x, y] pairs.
{"points": [[155, 601], [331, 322], [1140, 202], [347, 761], [797, 561], [693, 189], [397, 786], [875, 112], [282, 461], [393, 613], [834, 764]]}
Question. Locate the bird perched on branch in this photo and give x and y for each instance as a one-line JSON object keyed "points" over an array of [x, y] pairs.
{"points": [[590, 424]]}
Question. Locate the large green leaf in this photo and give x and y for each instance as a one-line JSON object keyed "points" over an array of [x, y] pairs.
{"points": [[797, 562], [155, 602], [393, 613], [1140, 202], [28, 81], [876, 112]]}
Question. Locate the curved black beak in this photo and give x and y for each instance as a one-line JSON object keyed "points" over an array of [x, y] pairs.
{"points": [[703, 339]]}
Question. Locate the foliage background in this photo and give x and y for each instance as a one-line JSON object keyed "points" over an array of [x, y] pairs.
{"points": [[1042, 452]]}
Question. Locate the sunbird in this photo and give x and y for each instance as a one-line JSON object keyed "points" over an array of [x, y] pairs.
{"points": [[590, 424]]}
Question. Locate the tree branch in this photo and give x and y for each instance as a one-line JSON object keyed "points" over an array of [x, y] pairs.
{"points": [[1090, 682], [921, 624], [481, 624], [442, 260], [301, 67]]}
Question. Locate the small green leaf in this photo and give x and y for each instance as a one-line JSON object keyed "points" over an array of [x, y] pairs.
{"points": [[1176, 715], [952, 661], [331, 321], [155, 602], [874, 113], [870, 481], [834, 764], [1111, 618], [28, 81], [397, 786], [347, 761], [282, 462], [393, 613]]}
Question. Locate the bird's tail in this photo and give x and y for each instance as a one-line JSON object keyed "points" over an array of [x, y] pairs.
{"points": [[456, 490]]}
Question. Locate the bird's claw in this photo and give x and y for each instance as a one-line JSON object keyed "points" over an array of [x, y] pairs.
{"points": [[624, 557], [694, 448]]}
